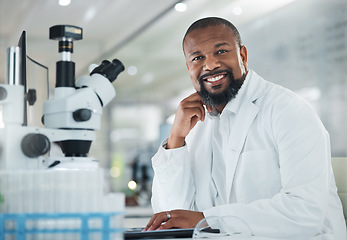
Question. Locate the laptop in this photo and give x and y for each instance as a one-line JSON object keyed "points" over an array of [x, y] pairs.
{"points": [[136, 233]]}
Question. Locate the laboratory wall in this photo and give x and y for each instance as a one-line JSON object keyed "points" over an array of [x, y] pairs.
{"points": [[301, 46]]}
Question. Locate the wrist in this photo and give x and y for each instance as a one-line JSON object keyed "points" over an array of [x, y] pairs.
{"points": [[175, 142]]}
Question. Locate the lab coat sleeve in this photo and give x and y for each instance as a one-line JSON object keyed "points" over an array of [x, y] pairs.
{"points": [[299, 209], [173, 186]]}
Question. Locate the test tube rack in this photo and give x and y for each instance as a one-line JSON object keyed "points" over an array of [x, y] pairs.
{"points": [[34, 226]]}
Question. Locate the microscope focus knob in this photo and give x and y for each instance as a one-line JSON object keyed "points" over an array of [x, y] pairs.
{"points": [[35, 145], [82, 115]]}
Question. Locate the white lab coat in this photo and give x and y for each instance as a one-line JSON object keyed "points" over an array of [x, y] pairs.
{"points": [[278, 177]]}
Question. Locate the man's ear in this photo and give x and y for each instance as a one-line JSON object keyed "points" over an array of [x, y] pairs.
{"points": [[243, 53]]}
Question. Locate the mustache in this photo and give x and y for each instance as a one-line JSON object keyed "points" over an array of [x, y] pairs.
{"points": [[210, 74]]}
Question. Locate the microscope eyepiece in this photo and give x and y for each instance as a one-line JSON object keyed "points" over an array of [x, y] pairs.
{"points": [[118, 67], [108, 69], [99, 68]]}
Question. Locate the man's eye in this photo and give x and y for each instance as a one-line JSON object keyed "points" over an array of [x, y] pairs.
{"points": [[196, 58], [221, 51]]}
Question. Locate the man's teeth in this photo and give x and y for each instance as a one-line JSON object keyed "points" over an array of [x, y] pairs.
{"points": [[214, 79]]}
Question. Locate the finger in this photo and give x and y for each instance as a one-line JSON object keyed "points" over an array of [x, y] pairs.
{"points": [[199, 110], [197, 97], [195, 105], [169, 224], [193, 112], [194, 96], [203, 114], [194, 100], [161, 218], [150, 222], [209, 108]]}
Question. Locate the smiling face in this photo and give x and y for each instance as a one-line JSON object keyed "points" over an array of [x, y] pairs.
{"points": [[216, 63]]}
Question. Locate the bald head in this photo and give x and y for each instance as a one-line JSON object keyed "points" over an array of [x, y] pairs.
{"points": [[213, 21]]}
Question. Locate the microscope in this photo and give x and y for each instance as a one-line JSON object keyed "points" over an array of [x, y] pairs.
{"points": [[70, 118]]}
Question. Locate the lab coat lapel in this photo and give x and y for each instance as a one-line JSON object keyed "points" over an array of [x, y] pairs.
{"points": [[240, 129], [243, 121]]}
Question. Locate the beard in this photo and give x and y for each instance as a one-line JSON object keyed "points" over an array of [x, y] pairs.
{"points": [[221, 98]]}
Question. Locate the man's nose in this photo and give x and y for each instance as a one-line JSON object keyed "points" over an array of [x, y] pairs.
{"points": [[211, 63]]}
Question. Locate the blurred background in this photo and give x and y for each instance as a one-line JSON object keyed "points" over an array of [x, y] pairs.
{"points": [[299, 44]]}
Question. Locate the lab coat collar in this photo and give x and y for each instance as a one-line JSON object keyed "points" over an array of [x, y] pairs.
{"points": [[248, 92], [234, 104], [256, 86]]}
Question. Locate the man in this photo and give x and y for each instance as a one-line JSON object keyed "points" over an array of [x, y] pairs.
{"points": [[262, 157]]}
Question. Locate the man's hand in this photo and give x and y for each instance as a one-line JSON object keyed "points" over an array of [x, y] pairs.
{"points": [[179, 219], [189, 112]]}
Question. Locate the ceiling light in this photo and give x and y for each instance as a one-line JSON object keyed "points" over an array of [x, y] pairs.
{"points": [[237, 11], [90, 14], [132, 185], [64, 2], [181, 7], [132, 70]]}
